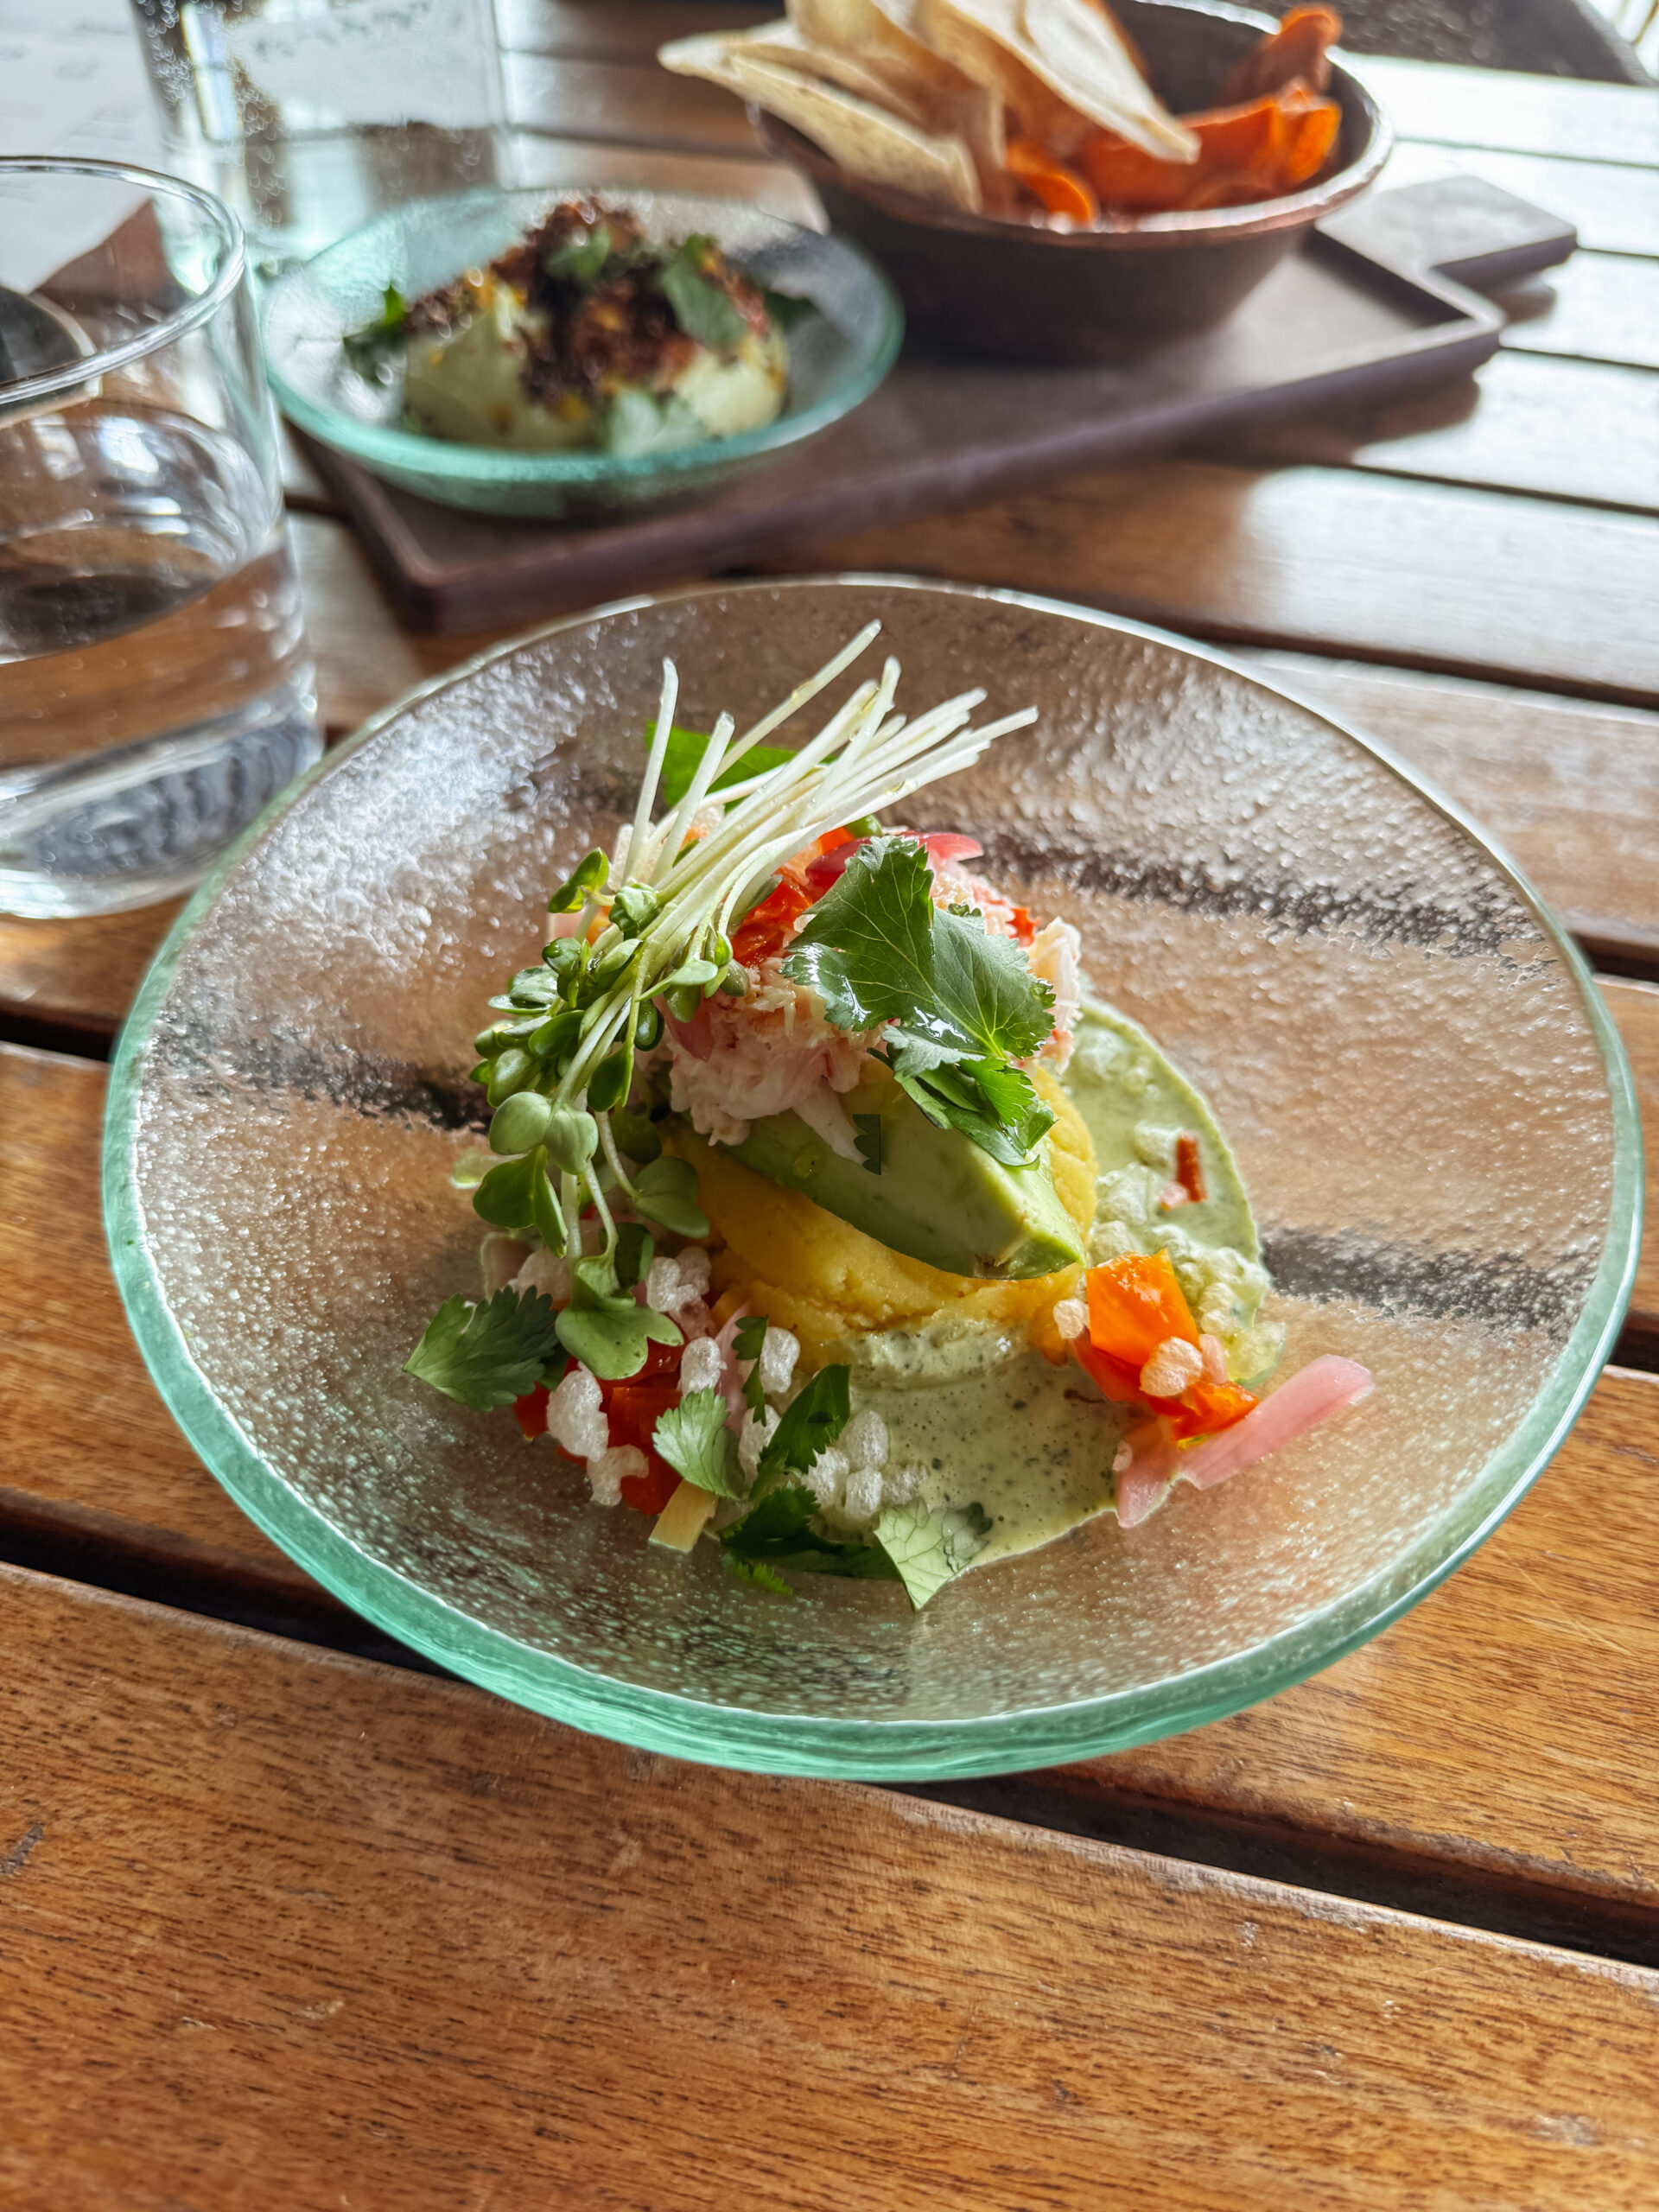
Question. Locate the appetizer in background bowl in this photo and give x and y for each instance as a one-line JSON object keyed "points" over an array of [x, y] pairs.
{"points": [[557, 352], [1045, 181], [585, 332]]}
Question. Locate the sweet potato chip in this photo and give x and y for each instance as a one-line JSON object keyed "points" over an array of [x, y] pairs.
{"points": [[1061, 190], [1255, 151], [1297, 50]]}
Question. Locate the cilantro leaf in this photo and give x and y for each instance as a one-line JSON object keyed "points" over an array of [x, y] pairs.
{"points": [[784, 312], [777, 1522], [877, 949], [757, 1572], [777, 1536], [704, 310], [958, 1004], [581, 257], [996, 1107], [695, 1440], [370, 349], [747, 1341], [985, 990], [813, 1419], [749, 1335], [684, 751], [486, 1355], [867, 946], [930, 1547]]}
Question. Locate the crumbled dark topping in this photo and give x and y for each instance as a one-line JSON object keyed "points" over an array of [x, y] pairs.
{"points": [[604, 297]]}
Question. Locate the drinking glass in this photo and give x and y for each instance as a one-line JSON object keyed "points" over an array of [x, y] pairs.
{"points": [[155, 686], [308, 117]]}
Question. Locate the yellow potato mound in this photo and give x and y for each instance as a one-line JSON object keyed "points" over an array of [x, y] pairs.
{"points": [[817, 1275]]}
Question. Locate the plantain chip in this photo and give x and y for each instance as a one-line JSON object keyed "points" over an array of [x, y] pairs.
{"points": [[1061, 65], [866, 141]]}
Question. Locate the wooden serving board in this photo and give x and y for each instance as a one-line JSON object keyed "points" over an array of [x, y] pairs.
{"points": [[1380, 303]]}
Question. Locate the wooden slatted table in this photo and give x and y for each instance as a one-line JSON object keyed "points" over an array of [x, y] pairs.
{"points": [[285, 1919]]}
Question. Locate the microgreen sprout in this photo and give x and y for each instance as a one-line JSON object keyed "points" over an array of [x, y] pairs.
{"points": [[647, 938]]}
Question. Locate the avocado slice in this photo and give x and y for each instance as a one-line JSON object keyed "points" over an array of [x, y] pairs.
{"points": [[938, 1197]]}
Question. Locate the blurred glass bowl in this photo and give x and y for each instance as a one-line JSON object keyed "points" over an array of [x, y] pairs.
{"points": [[1428, 1100], [837, 357]]}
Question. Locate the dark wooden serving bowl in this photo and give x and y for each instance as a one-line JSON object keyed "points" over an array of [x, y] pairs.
{"points": [[1023, 292]]}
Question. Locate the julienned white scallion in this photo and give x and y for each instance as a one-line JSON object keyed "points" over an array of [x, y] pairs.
{"points": [[689, 891]]}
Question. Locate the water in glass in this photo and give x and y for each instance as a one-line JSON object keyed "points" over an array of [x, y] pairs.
{"points": [[156, 690], [155, 687]]}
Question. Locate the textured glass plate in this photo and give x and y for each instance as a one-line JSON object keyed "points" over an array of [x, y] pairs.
{"points": [[1426, 1097], [837, 357]]}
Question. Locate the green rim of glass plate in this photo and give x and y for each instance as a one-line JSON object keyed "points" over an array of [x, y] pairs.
{"points": [[408, 451], [866, 1750]]}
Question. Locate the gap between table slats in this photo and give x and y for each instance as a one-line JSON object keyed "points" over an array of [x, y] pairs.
{"points": [[1480, 1761], [1570, 787], [1496, 587], [276, 1913]]}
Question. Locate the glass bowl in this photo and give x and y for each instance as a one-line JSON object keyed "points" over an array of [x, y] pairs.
{"points": [[1426, 1097], [837, 357]]}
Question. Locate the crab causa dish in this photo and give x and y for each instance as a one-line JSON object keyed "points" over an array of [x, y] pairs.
{"points": [[831, 1223], [587, 333]]}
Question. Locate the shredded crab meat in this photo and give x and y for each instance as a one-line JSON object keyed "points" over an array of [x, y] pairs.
{"points": [[771, 1051], [1055, 959]]}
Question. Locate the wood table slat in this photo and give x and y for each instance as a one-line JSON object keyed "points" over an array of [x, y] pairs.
{"points": [[616, 31], [1597, 307], [1474, 583], [1499, 109], [541, 158], [637, 103], [1635, 1008], [81, 1426], [1546, 1638], [1576, 430], [1570, 788], [280, 1924], [1506, 111], [1614, 206]]}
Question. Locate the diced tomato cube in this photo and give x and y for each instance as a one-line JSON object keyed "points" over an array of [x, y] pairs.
{"points": [[766, 928], [1189, 1167], [633, 1406], [531, 1411]]}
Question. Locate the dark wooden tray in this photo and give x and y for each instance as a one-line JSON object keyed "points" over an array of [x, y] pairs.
{"points": [[1380, 303]]}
